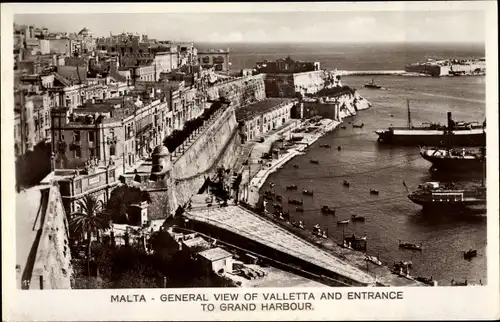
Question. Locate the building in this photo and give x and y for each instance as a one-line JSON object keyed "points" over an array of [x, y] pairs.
{"points": [[75, 184], [217, 59], [264, 116], [286, 65], [216, 260], [116, 131]]}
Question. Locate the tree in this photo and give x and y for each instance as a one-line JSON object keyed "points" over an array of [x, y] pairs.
{"points": [[90, 219]]}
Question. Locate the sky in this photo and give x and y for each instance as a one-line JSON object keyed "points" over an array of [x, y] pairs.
{"points": [[332, 26]]}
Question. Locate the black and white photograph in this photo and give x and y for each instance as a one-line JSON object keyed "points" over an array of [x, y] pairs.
{"points": [[254, 149]]}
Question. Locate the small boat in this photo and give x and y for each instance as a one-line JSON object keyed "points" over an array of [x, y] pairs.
{"points": [[325, 146], [374, 192], [295, 201], [410, 246], [343, 222], [271, 184], [278, 207], [328, 210], [314, 161], [373, 259], [339, 148], [471, 253], [299, 209], [295, 166], [298, 224], [280, 168], [357, 218], [464, 283], [346, 184], [343, 127], [307, 192], [291, 187], [281, 216], [316, 229], [425, 280], [391, 115], [372, 85], [269, 193], [359, 126]]}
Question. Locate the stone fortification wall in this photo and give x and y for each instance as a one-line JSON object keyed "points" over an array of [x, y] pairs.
{"points": [[287, 85], [218, 145], [52, 266], [241, 91], [336, 108]]}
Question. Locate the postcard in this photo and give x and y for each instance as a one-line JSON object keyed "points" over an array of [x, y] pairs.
{"points": [[239, 161]]}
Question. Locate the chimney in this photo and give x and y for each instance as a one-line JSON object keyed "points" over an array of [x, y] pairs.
{"points": [[450, 121]]}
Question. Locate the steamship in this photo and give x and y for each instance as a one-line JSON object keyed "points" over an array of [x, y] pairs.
{"points": [[454, 134], [450, 159], [437, 195]]}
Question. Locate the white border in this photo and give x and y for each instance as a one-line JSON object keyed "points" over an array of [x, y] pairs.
{"points": [[419, 303]]}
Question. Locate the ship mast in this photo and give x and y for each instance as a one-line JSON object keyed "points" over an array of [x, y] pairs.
{"points": [[409, 113]]}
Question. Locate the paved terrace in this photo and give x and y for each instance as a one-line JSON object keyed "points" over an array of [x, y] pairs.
{"points": [[30, 209], [247, 224]]}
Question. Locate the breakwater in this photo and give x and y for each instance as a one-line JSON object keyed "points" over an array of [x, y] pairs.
{"points": [[369, 72]]}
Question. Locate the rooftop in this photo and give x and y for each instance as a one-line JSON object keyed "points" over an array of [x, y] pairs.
{"points": [[245, 223], [197, 242], [215, 254], [260, 108]]}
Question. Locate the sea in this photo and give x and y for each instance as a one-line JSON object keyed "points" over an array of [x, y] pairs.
{"points": [[390, 216]]}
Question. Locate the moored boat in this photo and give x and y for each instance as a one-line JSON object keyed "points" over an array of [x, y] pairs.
{"points": [[471, 253], [314, 161], [343, 222], [358, 218], [374, 192], [436, 195], [295, 201], [359, 126], [454, 134], [372, 85], [328, 210], [373, 259], [410, 246], [426, 280], [452, 159], [291, 187], [345, 183], [307, 192]]}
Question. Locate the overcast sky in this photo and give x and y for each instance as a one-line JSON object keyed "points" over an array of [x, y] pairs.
{"points": [[420, 26]]}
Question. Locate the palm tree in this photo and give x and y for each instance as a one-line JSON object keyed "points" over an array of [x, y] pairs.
{"points": [[90, 219]]}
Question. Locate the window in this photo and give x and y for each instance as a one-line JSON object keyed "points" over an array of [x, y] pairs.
{"points": [[78, 184], [92, 152], [91, 137], [112, 150], [76, 136], [77, 153]]}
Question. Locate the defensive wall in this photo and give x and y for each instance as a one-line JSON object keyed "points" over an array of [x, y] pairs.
{"points": [[240, 91], [288, 84], [218, 144], [337, 107], [47, 264]]}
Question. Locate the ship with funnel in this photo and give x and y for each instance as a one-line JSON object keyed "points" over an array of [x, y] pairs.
{"points": [[453, 134]]}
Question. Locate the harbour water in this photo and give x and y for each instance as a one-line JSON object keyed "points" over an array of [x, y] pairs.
{"points": [[366, 165], [390, 216]]}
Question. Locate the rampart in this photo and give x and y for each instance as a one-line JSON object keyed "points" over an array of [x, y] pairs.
{"points": [[240, 91], [52, 263], [217, 145]]}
